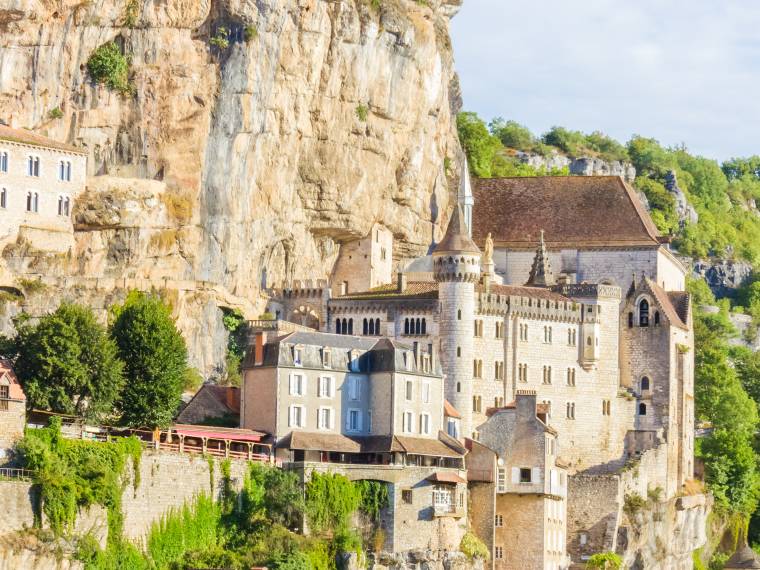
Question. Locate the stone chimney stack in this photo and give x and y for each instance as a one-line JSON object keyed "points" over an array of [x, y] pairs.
{"points": [[525, 404], [401, 285], [260, 341]]}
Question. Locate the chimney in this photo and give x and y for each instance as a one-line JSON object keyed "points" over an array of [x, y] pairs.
{"points": [[417, 355], [259, 342], [525, 402], [401, 282], [432, 354]]}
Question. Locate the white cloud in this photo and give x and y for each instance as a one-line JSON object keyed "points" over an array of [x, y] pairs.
{"points": [[680, 71]]}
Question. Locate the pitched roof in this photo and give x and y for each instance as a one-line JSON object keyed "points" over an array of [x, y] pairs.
{"points": [[524, 291], [457, 238], [575, 211], [744, 557], [450, 411], [15, 392], [413, 290], [228, 396], [444, 446], [23, 136], [675, 304]]}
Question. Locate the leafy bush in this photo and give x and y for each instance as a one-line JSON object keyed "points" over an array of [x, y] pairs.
{"points": [[374, 498], [472, 547], [250, 33], [55, 113], [109, 66], [362, 112], [605, 561], [221, 38], [512, 134], [331, 499], [633, 503]]}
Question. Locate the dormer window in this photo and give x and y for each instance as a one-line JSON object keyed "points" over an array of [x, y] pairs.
{"points": [[33, 165], [326, 358], [297, 356]]}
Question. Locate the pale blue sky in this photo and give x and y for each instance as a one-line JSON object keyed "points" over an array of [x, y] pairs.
{"points": [[676, 70]]}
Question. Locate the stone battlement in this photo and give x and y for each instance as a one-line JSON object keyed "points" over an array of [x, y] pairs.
{"points": [[586, 290], [529, 307]]}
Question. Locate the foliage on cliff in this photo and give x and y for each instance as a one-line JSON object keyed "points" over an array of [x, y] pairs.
{"points": [[724, 195]]}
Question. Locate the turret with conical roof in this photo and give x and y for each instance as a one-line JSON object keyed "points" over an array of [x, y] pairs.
{"points": [[456, 267], [541, 274]]}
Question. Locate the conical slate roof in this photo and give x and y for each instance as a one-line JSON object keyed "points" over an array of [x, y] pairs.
{"points": [[457, 238], [742, 559], [541, 274]]}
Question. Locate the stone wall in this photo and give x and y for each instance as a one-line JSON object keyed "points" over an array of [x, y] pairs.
{"points": [[168, 481]]}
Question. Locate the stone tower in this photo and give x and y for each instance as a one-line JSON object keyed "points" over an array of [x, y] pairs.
{"points": [[456, 267]]}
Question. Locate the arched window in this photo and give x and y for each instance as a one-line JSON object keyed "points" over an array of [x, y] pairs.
{"points": [[643, 313], [588, 341], [642, 409], [657, 318], [377, 327], [459, 314], [417, 326], [350, 326], [424, 326], [459, 387], [406, 325], [644, 384], [630, 320], [365, 328], [337, 326]]}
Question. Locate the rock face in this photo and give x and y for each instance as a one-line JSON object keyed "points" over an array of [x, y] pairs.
{"points": [[228, 168], [686, 212], [580, 166], [723, 276]]}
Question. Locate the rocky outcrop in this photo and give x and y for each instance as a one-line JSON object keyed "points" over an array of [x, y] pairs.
{"points": [[316, 120], [685, 211], [580, 166], [428, 559], [664, 535], [723, 276]]}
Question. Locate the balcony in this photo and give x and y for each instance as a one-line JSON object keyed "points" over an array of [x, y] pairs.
{"points": [[444, 505]]}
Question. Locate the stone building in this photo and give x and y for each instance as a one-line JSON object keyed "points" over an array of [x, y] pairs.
{"points": [[12, 411], [528, 495], [369, 408], [211, 402], [564, 289], [39, 180]]}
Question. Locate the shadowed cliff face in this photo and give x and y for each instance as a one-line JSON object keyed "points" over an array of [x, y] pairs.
{"points": [[317, 120]]}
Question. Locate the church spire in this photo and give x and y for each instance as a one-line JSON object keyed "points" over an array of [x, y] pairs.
{"points": [[457, 238], [541, 274], [465, 198]]}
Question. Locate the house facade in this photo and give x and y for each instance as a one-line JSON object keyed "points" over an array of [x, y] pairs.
{"points": [[12, 411]]}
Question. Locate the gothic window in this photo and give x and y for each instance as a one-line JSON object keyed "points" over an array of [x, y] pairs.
{"points": [[337, 326], [547, 374], [417, 326], [657, 318], [33, 165], [477, 368], [645, 384], [3, 161], [365, 328], [644, 313], [377, 326], [350, 326], [570, 408], [406, 326], [3, 198], [642, 409], [459, 314], [571, 376], [588, 341], [630, 320], [424, 326], [606, 406]]}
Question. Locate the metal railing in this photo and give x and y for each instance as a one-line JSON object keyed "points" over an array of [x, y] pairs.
{"points": [[15, 474]]}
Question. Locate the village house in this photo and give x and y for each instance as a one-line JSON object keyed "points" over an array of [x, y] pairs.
{"points": [[39, 180], [12, 411]]}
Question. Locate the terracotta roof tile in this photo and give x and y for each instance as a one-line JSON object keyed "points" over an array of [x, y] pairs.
{"points": [[414, 290], [15, 392], [574, 211], [675, 304], [520, 291], [450, 411], [23, 136]]}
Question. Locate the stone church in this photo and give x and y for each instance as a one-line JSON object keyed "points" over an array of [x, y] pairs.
{"points": [[556, 310]]}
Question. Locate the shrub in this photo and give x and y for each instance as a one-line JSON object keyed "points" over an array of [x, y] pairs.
{"points": [[362, 112], [605, 561], [250, 33], [472, 547], [221, 39], [109, 66], [55, 113], [633, 503], [131, 12], [331, 499], [32, 286], [654, 494]]}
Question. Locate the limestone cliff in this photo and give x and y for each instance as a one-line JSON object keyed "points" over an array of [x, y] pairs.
{"points": [[228, 167]]}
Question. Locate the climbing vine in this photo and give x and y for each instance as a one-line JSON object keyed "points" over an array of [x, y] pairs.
{"points": [[374, 498], [331, 499]]}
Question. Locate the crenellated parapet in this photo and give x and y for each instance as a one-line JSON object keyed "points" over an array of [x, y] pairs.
{"points": [[589, 290], [463, 268], [530, 307]]}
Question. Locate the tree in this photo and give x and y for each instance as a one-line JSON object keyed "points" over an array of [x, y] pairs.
{"points": [[155, 356], [512, 134], [570, 142], [480, 145], [67, 363]]}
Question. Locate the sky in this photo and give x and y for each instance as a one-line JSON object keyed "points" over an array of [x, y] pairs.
{"points": [[681, 71]]}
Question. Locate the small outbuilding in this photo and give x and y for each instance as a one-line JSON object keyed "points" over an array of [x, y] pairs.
{"points": [[743, 558], [12, 410]]}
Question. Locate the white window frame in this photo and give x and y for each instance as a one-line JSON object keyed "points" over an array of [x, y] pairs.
{"points": [[298, 356], [407, 422], [330, 382], [331, 418], [501, 480], [291, 384], [425, 423], [302, 416], [354, 388], [426, 392], [409, 390], [349, 414]]}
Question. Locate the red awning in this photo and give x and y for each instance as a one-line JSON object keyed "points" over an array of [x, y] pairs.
{"points": [[445, 477], [242, 435]]}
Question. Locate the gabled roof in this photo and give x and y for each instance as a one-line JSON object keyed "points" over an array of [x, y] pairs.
{"points": [[228, 396], [23, 136], [450, 411], [457, 238], [674, 304], [413, 290], [15, 392], [575, 211]]}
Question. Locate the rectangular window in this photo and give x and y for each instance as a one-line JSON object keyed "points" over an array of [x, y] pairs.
{"points": [[409, 390], [3, 161], [406, 496], [451, 428], [297, 385], [369, 421], [426, 392], [425, 424], [498, 520], [498, 552], [408, 422], [5, 392], [501, 480], [296, 416], [326, 358], [525, 475], [354, 420], [3, 198], [325, 418], [297, 355], [354, 388], [326, 387]]}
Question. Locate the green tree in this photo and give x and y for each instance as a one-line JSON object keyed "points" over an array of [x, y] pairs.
{"points": [[662, 201], [68, 364], [480, 145], [738, 167], [155, 356], [570, 142], [512, 134]]}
